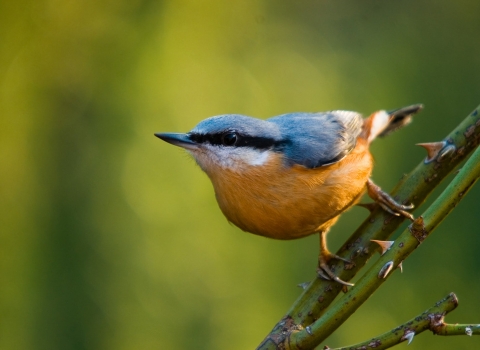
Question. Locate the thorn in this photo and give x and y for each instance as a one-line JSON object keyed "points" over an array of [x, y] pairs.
{"points": [[385, 270], [433, 148], [303, 285], [409, 336], [400, 266], [369, 206], [385, 245], [309, 330], [468, 331]]}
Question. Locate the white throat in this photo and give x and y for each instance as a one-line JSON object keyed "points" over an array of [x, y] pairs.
{"points": [[210, 157]]}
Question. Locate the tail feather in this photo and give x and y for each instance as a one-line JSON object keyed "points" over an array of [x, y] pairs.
{"points": [[382, 123], [400, 117]]}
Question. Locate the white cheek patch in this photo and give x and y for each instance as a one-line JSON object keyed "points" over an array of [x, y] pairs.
{"points": [[379, 123], [230, 157], [259, 158]]}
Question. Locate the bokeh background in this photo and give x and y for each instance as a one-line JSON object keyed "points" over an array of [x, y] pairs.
{"points": [[111, 239]]}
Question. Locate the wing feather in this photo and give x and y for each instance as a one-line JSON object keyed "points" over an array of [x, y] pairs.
{"points": [[318, 139]]}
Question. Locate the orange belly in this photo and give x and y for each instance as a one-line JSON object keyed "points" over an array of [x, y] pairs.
{"points": [[282, 202]]}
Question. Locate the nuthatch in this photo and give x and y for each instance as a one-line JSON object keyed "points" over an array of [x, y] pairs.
{"points": [[292, 175]]}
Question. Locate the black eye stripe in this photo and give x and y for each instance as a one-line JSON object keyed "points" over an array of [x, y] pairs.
{"points": [[242, 140]]}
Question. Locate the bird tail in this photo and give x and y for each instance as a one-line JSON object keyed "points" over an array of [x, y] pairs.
{"points": [[382, 123]]}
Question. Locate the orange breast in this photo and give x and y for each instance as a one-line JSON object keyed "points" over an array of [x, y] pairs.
{"points": [[291, 202]]}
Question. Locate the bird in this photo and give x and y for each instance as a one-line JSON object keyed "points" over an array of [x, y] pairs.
{"points": [[292, 175]]}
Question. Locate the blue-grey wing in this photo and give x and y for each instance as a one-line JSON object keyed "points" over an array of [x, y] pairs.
{"points": [[318, 139]]}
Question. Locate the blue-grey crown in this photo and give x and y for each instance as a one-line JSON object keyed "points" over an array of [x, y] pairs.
{"points": [[248, 132]]}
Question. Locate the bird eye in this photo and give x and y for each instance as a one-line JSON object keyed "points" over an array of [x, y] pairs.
{"points": [[229, 139]]}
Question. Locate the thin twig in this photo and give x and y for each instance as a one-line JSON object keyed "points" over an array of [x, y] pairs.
{"points": [[405, 332], [431, 319], [459, 329]]}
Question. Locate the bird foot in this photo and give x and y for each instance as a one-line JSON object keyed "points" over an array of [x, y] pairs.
{"points": [[324, 271], [387, 202]]}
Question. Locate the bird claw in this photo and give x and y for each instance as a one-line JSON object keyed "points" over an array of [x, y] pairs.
{"points": [[387, 202], [322, 274], [324, 271]]}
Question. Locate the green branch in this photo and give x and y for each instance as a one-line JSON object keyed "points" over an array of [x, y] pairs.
{"points": [[413, 188], [431, 319], [406, 243], [459, 329]]}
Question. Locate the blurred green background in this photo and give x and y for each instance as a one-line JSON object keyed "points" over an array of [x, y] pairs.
{"points": [[112, 239]]}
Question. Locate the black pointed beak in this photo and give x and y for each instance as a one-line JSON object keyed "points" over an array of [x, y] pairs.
{"points": [[181, 140]]}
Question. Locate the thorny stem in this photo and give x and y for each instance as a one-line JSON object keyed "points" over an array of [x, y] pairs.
{"points": [[406, 243], [413, 188], [431, 319], [459, 329]]}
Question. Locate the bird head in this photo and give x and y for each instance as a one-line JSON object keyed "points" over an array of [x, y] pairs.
{"points": [[231, 141]]}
